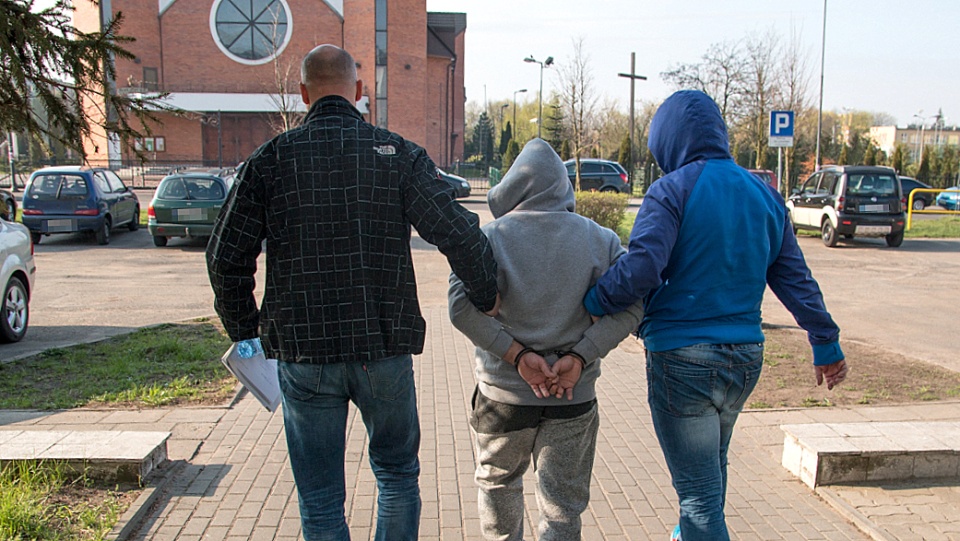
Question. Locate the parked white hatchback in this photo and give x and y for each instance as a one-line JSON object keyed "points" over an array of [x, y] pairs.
{"points": [[17, 273]]}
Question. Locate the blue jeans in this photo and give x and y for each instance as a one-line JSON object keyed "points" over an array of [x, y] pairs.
{"points": [[695, 395], [315, 404]]}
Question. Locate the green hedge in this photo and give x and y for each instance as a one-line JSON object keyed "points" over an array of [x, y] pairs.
{"points": [[607, 209]]}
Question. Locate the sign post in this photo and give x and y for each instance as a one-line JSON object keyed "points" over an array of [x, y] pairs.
{"points": [[781, 135]]}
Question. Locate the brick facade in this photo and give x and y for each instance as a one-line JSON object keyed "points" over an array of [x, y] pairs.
{"points": [[175, 40]]}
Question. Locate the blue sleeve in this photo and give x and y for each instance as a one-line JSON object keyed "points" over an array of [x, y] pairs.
{"points": [[792, 283], [651, 244]]}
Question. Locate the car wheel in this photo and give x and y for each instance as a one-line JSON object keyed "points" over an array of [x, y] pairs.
{"points": [[895, 239], [608, 189], [135, 223], [918, 204], [160, 241], [829, 234], [11, 210], [103, 235], [14, 311], [35, 237]]}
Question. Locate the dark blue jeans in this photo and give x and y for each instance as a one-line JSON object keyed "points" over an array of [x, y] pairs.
{"points": [[695, 395], [315, 404]]}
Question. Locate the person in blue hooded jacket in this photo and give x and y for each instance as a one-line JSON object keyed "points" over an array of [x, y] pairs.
{"points": [[708, 239]]}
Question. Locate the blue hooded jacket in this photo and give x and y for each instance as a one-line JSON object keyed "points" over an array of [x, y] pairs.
{"points": [[708, 239]]}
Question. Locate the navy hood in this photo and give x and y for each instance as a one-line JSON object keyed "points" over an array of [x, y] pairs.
{"points": [[688, 127]]}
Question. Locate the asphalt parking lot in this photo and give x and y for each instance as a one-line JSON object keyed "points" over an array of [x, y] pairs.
{"points": [[903, 299]]}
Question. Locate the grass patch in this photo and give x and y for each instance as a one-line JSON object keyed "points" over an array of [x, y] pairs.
{"points": [[626, 226], [941, 228], [47, 501], [167, 365], [876, 376]]}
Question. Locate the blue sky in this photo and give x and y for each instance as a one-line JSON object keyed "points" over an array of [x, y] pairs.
{"points": [[881, 55]]}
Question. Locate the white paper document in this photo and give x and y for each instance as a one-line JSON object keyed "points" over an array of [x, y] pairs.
{"points": [[255, 371]]}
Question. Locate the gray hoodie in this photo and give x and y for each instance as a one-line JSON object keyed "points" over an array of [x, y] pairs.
{"points": [[548, 257]]}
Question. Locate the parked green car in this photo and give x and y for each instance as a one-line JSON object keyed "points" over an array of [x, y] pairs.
{"points": [[185, 205]]}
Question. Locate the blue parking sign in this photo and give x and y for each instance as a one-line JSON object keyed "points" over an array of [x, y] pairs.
{"points": [[781, 129]]}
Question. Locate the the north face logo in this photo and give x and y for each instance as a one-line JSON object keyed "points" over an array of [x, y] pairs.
{"points": [[386, 150]]}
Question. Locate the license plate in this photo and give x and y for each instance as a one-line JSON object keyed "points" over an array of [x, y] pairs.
{"points": [[189, 214], [873, 208], [59, 226], [873, 230]]}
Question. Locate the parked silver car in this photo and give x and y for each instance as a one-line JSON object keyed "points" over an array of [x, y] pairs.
{"points": [[17, 273]]}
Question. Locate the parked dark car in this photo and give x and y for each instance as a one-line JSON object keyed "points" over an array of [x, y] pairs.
{"points": [[185, 205], [767, 176], [921, 200], [597, 174], [8, 206], [459, 184], [852, 201], [78, 199]]}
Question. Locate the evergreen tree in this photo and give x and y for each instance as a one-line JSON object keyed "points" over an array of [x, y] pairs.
{"points": [[513, 150], [623, 156], [923, 170], [554, 126], [565, 153], [69, 72], [505, 137], [898, 160], [948, 168], [870, 155], [842, 159], [483, 138]]}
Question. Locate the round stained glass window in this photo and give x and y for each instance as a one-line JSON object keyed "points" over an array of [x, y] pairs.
{"points": [[251, 31]]}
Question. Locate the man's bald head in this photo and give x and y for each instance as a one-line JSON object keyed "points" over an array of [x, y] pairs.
{"points": [[328, 70]]}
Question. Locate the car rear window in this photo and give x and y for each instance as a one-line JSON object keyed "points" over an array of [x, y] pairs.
{"points": [[47, 187], [871, 184], [200, 189]]}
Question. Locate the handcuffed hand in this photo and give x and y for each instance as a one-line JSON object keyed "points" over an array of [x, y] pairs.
{"points": [[834, 374], [534, 369], [568, 369]]}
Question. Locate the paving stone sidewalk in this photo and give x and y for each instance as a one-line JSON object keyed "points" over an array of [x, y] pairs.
{"points": [[235, 483]]}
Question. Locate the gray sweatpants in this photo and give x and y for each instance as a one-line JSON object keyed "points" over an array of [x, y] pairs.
{"points": [[562, 451]]}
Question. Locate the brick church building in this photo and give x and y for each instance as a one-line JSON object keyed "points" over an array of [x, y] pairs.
{"points": [[233, 67]]}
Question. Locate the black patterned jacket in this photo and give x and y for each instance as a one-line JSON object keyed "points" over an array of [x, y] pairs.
{"points": [[334, 199]]}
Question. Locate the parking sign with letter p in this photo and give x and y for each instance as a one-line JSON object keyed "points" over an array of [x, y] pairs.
{"points": [[781, 129]]}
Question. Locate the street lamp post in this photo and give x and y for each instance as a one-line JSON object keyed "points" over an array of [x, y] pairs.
{"points": [[823, 55], [502, 107], [513, 127], [919, 153], [546, 62]]}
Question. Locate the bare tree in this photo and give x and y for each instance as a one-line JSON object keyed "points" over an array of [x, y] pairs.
{"points": [[760, 90], [719, 74], [794, 81], [284, 87], [579, 100], [284, 94]]}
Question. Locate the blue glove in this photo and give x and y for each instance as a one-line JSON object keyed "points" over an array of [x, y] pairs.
{"points": [[249, 348]]}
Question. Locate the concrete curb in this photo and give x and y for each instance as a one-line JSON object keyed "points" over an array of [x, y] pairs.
{"points": [[131, 521], [850, 513]]}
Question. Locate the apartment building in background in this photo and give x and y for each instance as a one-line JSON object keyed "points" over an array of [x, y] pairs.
{"points": [[232, 69]]}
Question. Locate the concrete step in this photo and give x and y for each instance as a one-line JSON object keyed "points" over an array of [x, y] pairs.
{"points": [[834, 453], [124, 456]]}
